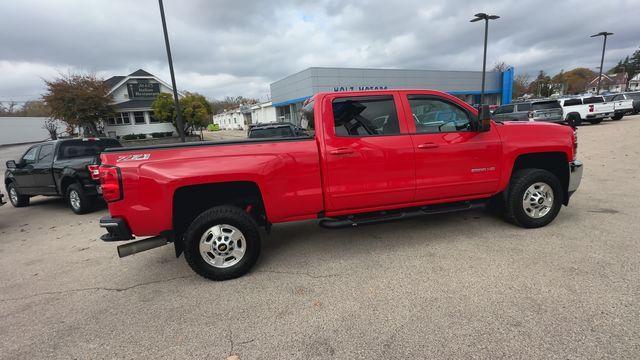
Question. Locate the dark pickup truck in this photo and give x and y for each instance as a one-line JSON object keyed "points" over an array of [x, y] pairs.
{"points": [[67, 168]]}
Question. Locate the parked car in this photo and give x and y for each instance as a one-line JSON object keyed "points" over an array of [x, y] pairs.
{"points": [[432, 154], [275, 130], [627, 103], [67, 168], [538, 110], [592, 109]]}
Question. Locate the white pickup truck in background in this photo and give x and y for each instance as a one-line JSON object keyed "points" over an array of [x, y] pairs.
{"points": [[592, 109], [623, 104]]}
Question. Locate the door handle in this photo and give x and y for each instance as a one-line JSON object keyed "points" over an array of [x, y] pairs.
{"points": [[341, 151], [428, 145]]}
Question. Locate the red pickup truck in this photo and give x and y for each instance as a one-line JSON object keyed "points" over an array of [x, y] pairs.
{"points": [[368, 157]]}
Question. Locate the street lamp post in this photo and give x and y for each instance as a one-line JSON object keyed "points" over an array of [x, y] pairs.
{"points": [[604, 45], [173, 77], [486, 18]]}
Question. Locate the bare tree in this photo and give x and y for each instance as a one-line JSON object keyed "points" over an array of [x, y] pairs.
{"points": [[51, 125], [500, 66]]}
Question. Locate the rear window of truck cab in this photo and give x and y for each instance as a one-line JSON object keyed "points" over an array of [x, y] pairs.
{"points": [[593, 100], [70, 149]]}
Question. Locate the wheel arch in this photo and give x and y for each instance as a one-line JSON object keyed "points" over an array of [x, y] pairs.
{"points": [[190, 201], [554, 162]]}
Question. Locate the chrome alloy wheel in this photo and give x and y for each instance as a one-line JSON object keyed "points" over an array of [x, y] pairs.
{"points": [[222, 246], [13, 195], [538, 200], [74, 199]]}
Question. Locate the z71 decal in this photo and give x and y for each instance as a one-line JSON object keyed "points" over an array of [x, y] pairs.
{"points": [[134, 157]]}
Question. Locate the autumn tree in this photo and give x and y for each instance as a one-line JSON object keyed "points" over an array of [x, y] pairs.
{"points": [[219, 106], [79, 100], [194, 107], [520, 85]]}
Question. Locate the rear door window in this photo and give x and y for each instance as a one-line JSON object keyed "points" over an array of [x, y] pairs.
{"points": [[523, 107], [365, 116]]}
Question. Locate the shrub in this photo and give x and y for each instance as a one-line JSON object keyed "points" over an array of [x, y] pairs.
{"points": [[213, 127], [142, 136], [158, 135], [168, 133], [130, 137]]}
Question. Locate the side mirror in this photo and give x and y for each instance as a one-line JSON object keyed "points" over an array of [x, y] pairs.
{"points": [[484, 119], [11, 164]]}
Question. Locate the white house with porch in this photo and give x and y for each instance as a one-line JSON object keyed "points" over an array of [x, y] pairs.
{"points": [[133, 95]]}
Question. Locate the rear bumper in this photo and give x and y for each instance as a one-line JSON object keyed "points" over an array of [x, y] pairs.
{"points": [[117, 229], [600, 115], [575, 176]]}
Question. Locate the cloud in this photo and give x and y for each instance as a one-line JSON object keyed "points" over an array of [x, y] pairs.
{"points": [[230, 47]]}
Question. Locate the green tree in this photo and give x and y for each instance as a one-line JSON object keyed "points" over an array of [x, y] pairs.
{"points": [[79, 100], [630, 65], [194, 107]]}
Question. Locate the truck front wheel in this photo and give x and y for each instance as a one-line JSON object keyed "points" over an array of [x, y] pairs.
{"points": [[535, 198], [16, 199], [222, 243]]}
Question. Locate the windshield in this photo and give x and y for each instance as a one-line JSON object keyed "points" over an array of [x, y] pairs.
{"points": [[84, 148], [546, 105]]}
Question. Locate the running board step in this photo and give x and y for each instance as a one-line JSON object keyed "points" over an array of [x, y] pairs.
{"points": [[384, 216]]}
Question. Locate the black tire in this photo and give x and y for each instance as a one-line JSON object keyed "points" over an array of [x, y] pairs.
{"points": [[85, 203], [229, 215], [17, 200], [574, 119], [520, 182], [617, 116], [595, 121]]}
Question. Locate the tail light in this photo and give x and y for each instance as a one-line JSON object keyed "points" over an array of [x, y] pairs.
{"points": [[591, 108], [575, 144], [94, 171], [111, 182]]}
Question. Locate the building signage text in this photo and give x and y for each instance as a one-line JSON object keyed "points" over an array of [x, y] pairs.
{"points": [[143, 90], [360, 88]]}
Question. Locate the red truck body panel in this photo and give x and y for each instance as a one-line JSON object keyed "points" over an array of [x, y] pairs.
{"points": [[335, 175]]}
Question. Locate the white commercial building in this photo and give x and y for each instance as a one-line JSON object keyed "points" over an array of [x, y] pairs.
{"points": [[132, 98], [263, 113]]}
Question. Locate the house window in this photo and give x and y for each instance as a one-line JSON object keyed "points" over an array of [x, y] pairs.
{"points": [[138, 117], [111, 120], [153, 118], [123, 119]]}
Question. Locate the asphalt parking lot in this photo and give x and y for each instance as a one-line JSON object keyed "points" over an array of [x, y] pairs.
{"points": [[463, 285]]}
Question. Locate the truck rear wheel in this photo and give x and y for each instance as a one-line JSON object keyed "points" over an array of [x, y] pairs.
{"points": [[16, 199], [78, 201], [535, 197], [222, 243], [617, 116]]}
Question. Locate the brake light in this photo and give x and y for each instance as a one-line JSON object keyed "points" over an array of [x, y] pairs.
{"points": [[591, 108], [575, 144], [94, 171], [111, 182]]}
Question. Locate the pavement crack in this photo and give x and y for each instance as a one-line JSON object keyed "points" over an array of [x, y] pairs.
{"points": [[300, 274], [97, 288]]}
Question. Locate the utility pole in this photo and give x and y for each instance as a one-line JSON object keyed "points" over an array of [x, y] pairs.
{"points": [[173, 77], [604, 45], [486, 18]]}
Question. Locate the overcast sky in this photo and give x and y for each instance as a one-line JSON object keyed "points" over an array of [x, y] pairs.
{"points": [[237, 47]]}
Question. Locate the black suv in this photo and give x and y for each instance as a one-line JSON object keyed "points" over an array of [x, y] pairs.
{"points": [[67, 168], [275, 130]]}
